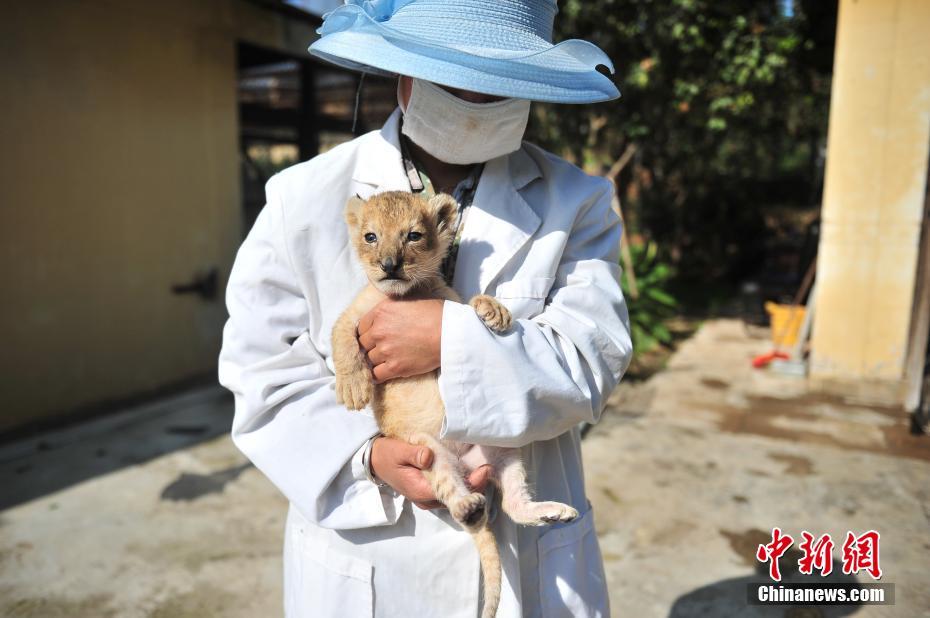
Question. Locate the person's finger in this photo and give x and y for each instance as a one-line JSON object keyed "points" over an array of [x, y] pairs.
{"points": [[375, 356], [417, 456], [416, 489], [364, 324], [366, 339], [478, 478], [383, 373]]}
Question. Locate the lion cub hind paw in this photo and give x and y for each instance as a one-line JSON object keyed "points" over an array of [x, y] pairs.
{"points": [[469, 509], [542, 513], [354, 391], [494, 314]]}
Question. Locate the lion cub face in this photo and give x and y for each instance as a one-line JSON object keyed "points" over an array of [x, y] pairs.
{"points": [[400, 239]]}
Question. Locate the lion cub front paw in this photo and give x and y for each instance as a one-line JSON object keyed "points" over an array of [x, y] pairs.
{"points": [[495, 315], [354, 390]]}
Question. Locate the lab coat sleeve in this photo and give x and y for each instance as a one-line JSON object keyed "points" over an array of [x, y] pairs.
{"points": [[287, 420], [551, 372]]}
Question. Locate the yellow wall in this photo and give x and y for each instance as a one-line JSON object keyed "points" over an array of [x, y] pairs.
{"points": [[873, 195], [119, 177]]}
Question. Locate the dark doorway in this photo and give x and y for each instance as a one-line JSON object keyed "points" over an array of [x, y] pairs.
{"points": [[293, 108]]}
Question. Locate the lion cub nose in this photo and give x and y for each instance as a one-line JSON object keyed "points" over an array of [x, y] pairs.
{"points": [[389, 266]]}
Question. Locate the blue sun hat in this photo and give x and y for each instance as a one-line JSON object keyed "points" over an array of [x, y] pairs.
{"points": [[497, 47]]}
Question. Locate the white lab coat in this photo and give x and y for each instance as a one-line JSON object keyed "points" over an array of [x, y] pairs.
{"points": [[542, 238]]}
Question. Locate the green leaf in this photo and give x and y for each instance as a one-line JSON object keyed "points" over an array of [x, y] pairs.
{"points": [[661, 333], [661, 296]]}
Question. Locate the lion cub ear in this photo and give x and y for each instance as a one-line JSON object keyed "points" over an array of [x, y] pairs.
{"points": [[354, 211], [446, 209]]}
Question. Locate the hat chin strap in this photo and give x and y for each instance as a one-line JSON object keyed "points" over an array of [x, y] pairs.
{"points": [[461, 132], [400, 97]]}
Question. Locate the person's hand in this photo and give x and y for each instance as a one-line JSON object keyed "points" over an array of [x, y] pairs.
{"points": [[402, 337], [400, 465]]}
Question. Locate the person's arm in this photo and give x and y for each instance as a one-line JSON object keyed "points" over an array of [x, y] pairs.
{"points": [[287, 421], [553, 371]]}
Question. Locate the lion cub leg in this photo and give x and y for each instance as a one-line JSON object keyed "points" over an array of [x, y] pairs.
{"points": [[354, 384], [447, 478], [495, 315], [516, 500]]}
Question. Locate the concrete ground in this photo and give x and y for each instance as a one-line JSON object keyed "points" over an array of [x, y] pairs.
{"points": [[154, 513], [690, 471]]}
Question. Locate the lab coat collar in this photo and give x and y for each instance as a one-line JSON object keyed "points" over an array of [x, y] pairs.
{"points": [[499, 221], [379, 162]]}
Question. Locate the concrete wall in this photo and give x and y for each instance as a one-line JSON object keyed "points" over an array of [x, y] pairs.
{"points": [[873, 197], [119, 177]]}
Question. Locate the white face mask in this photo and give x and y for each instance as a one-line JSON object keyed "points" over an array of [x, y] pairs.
{"points": [[461, 132]]}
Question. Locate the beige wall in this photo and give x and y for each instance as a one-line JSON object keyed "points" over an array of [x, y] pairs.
{"points": [[873, 196], [119, 177]]}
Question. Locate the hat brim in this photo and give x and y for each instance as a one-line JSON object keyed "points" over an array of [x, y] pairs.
{"points": [[563, 73]]}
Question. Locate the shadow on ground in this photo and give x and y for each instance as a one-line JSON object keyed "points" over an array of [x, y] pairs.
{"points": [[55, 460], [188, 486], [728, 597]]}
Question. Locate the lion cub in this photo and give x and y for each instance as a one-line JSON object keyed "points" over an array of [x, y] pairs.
{"points": [[401, 241]]}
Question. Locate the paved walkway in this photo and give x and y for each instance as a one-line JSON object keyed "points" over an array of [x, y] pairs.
{"points": [[153, 513], [176, 523], [690, 471]]}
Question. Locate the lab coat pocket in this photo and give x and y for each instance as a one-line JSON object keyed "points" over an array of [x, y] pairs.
{"points": [[571, 572], [321, 581], [526, 296]]}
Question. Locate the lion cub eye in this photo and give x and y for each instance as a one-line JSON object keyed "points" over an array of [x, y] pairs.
{"points": [[370, 237], [414, 236]]}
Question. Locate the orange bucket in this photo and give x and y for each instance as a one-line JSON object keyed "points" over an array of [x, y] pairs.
{"points": [[786, 321]]}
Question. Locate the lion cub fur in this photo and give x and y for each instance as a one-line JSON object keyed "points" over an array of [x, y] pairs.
{"points": [[401, 241]]}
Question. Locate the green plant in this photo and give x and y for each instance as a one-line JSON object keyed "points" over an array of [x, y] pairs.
{"points": [[649, 301]]}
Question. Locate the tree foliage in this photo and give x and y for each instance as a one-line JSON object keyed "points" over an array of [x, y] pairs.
{"points": [[724, 106]]}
